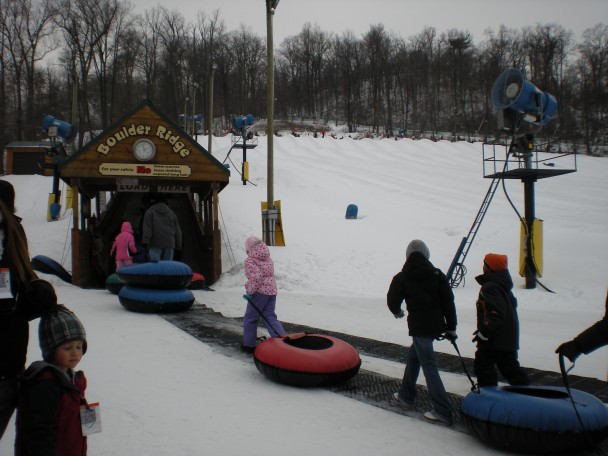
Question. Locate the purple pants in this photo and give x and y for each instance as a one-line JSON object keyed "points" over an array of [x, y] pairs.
{"points": [[266, 305]]}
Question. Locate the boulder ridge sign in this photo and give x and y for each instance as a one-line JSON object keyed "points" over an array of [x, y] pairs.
{"points": [[113, 176]]}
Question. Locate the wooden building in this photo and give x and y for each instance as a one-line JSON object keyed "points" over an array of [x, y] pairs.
{"points": [[112, 177], [25, 157]]}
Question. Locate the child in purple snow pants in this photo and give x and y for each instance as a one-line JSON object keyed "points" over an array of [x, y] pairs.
{"points": [[266, 305], [261, 289]]}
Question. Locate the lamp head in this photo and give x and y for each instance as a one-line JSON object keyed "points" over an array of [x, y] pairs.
{"points": [[520, 99]]}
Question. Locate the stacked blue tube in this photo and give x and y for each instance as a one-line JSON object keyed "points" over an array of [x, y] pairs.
{"points": [[156, 287]]}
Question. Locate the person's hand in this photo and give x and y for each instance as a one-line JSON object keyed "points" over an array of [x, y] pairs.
{"points": [[569, 349], [401, 314], [451, 336], [479, 337]]}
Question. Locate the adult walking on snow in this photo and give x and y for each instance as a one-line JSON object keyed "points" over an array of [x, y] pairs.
{"points": [[123, 246], [23, 297], [162, 233], [261, 288], [431, 314], [497, 334]]}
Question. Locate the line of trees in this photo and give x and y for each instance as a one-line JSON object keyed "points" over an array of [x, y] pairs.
{"points": [[89, 61]]}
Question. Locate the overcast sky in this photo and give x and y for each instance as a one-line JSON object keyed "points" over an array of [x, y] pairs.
{"points": [[404, 17]]}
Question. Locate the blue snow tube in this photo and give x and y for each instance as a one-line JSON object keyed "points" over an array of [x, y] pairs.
{"points": [[47, 265], [535, 419], [159, 275], [145, 300]]}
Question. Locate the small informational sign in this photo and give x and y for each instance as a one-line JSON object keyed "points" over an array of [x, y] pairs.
{"points": [[162, 188], [143, 170]]}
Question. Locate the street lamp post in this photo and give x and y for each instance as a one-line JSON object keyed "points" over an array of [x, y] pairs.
{"points": [[194, 132], [210, 108], [270, 216]]}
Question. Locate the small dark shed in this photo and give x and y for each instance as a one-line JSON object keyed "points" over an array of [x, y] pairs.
{"points": [[25, 157]]}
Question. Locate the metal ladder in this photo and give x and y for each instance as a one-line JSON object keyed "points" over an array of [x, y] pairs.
{"points": [[457, 270]]}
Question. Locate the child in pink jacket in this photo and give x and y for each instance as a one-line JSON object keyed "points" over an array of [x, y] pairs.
{"points": [[261, 289], [124, 246]]}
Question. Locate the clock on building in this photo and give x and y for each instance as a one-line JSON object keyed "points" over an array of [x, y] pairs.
{"points": [[144, 149]]}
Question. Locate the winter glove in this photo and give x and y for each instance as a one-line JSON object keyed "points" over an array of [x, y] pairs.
{"points": [[40, 298], [569, 349], [247, 297], [479, 337], [399, 315], [451, 336]]}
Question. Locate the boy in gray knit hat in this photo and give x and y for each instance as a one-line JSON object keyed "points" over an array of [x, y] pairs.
{"points": [[49, 412]]}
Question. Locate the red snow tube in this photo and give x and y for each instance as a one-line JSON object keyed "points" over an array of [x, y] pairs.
{"points": [[307, 360]]}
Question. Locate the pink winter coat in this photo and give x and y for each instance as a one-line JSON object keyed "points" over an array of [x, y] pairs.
{"points": [[259, 271], [124, 243]]}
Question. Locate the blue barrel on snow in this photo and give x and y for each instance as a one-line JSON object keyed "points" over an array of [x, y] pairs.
{"points": [[351, 211], [54, 210]]}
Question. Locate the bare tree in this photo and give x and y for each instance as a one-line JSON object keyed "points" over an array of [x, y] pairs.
{"points": [[347, 64], [249, 54], [26, 31], [148, 28], [85, 25], [211, 30], [592, 68], [174, 77], [106, 57]]}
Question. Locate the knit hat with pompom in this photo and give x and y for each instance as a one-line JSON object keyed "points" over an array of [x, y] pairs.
{"points": [[59, 327]]}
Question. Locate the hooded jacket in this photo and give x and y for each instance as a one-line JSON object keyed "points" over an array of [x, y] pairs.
{"points": [[259, 270], [161, 227], [124, 243], [48, 413], [428, 297], [497, 311]]}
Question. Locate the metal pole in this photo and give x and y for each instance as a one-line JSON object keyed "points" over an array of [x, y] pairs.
{"points": [[529, 213], [269, 223], [193, 111], [210, 109]]}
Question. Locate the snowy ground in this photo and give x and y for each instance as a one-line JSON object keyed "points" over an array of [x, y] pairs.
{"points": [[163, 392]]}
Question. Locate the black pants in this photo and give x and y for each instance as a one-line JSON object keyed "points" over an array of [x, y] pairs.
{"points": [[505, 361]]}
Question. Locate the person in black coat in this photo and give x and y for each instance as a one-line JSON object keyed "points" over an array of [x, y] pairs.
{"points": [[497, 334], [590, 339], [23, 297], [431, 314]]}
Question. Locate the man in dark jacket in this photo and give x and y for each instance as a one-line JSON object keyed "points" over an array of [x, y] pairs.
{"points": [[590, 339], [162, 233], [497, 334], [431, 313]]}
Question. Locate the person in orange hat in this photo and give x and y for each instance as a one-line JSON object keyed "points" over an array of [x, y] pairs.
{"points": [[497, 333]]}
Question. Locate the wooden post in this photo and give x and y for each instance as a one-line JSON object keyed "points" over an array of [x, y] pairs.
{"points": [[75, 231]]}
